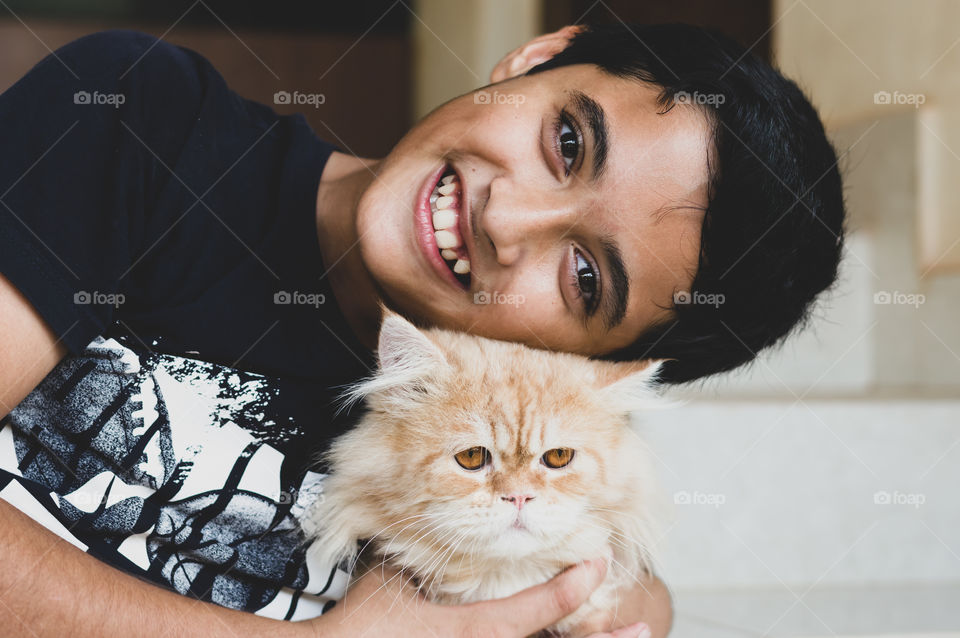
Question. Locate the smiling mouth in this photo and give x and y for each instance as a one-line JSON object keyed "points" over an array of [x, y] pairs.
{"points": [[445, 207]]}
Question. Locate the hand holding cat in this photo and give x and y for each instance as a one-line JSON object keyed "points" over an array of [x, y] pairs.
{"points": [[383, 603]]}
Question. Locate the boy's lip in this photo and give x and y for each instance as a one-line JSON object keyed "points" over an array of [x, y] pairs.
{"points": [[423, 222]]}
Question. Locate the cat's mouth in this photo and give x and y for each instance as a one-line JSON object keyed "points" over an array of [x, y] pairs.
{"points": [[446, 204]]}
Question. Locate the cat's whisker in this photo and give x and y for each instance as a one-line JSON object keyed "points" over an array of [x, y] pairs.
{"points": [[429, 580], [415, 542], [424, 533], [372, 594], [383, 564], [615, 528], [374, 537], [614, 535], [632, 576], [645, 525], [454, 548], [468, 553], [436, 520], [644, 555], [614, 532], [427, 570], [395, 523], [449, 546]]}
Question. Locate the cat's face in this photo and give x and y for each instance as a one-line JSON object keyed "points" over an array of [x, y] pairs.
{"points": [[504, 448], [508, 474]]}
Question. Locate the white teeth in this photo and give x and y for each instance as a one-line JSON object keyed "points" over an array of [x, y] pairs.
{"points": [[445, 216], [446, 239], [443, 219]]}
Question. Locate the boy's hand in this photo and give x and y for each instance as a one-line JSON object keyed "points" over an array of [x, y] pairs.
{"points": [[383, 603]]}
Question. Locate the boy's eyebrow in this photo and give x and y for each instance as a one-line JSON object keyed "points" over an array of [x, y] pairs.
{"points": [[589, 110], [615, 302]]}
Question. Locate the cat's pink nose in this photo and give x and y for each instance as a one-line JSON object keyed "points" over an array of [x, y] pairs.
{"points": [[518, 499]]}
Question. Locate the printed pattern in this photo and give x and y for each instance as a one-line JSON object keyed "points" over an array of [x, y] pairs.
{"points": [[168, 467]]}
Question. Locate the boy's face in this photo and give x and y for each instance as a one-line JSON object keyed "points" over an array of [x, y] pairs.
{"points": [[539, 241]]}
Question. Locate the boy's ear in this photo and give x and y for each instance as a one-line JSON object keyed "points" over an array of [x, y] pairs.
{"points": [[538, 50]]}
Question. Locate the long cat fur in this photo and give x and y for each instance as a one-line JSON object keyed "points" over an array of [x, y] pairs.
{"points": [[393, 480]]}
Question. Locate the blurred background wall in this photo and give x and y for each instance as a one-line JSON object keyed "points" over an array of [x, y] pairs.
{"points": [[815, 492], [356, 54]]}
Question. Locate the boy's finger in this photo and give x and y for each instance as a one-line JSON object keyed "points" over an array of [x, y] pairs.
{"points": [[533, 609]]}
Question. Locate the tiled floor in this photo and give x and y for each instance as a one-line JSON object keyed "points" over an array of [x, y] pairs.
{"points": [[912, 611]]}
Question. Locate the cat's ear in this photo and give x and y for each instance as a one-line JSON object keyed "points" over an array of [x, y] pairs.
{"points": [[631, 385], [405, 352], [408, 361]]}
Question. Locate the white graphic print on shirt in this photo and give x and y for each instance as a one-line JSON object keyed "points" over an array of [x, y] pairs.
{"points": [[140, 459]]}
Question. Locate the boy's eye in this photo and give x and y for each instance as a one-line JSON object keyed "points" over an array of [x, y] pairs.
{"points": [[586, 280], [567, 142]]}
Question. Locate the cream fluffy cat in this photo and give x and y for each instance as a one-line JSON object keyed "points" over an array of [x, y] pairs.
{"points": [[485, 467]]}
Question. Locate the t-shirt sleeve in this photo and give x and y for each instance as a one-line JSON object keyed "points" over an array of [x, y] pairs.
{"points": [[85, 141]]}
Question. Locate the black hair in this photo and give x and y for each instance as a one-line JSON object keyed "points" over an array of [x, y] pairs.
{"points": [[773, 229]]}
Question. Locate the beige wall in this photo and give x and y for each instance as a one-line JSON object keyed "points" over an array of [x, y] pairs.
{"points": [[846, 52], [457, 44]]}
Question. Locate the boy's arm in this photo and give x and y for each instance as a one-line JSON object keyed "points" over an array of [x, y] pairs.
{"points": [[48, 587], [28, 347]]}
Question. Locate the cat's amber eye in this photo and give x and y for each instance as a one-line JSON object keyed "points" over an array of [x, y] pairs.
{"points": [[557, 457], [473, 458]]}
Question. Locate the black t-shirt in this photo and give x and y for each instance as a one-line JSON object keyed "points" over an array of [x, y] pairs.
{"points": [[165, 229]]}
